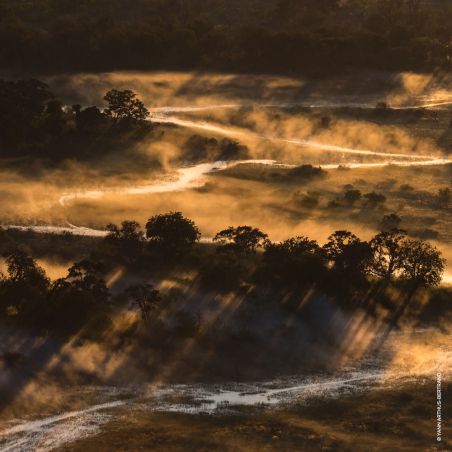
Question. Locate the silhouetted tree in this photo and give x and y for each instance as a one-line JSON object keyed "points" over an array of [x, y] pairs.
{"points": [[391, 221], [243, 240], [350, 259], [422, 264], [305, 201], [445, 194], [143, 298], [88, 120], [123, 106], [83, 280], [374, 199], [351, 196], [27, 285], [127, 241], [388, 254], [171, 235], [54, 119], [295, 261], [72, 300]]}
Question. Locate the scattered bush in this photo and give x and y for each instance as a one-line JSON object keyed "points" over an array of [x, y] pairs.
{"points": [[305, 201], [351, 196], [389, 222], [374, 199], [406, 188], [307, 172]]}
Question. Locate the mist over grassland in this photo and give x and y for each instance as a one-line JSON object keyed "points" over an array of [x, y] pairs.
{"points": [[229, 315]]}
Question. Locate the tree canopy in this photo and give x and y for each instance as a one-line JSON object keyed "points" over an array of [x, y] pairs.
{"points": [[243, 240], [124, 108], [171, 235]]}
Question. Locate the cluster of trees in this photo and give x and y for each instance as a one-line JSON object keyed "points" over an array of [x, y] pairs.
{"points": [[29, 297], [310, 200], [32, 121], [270, 36], [28, 294], [345, 265]]}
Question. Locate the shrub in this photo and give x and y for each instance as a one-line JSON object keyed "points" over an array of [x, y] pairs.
{"points": [[406, 188], [373, 198], [351, 196], [305, 201], [382, 106], [307, 172]]}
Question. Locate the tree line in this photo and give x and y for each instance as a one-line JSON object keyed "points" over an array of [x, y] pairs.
{"points": [[278, 36], [344, 267]]}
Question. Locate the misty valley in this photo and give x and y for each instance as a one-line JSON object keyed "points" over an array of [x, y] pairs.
{"points": [[200, 261]]}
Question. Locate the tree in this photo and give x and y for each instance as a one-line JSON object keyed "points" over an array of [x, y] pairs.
{"points": [[88, 120], [388, 254], [171, 235], [127, 241], [382, 106], [74, 299], [21, 266], [305, 201], [337, 243], [243, 240], [82, 279], [406, 188], [54, 119], [296, 260], [445, 194], [124, 107], [389, 222], [350, 258], [307, 172], [373, 198], [422, 264], [351, 196], [26, 286], [143, 298]]}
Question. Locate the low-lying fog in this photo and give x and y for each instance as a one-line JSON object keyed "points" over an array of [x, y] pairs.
{"points": [[279, 124]]}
